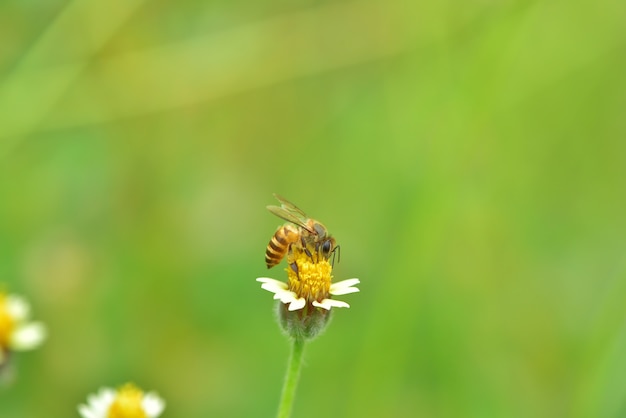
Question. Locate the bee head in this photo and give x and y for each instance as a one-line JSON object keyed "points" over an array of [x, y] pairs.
{"points": [[328, 248]]}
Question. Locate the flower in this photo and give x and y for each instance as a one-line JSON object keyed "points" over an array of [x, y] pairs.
{"points": [[17, 333], [309, 283], [127, 402]]}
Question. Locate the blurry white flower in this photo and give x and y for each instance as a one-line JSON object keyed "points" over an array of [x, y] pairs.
{"points": [[126, 402], [17, 332]]}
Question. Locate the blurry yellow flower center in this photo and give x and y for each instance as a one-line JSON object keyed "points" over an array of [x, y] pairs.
{"points": [[127, 403], [312, 280], [6, 322]]}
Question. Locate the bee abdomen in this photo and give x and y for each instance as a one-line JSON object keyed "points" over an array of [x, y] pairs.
{"points": [[279, 244]]}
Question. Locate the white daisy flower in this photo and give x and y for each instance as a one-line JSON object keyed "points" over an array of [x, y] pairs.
{"points": [[126, 402], [309, 283], [17, 332]]}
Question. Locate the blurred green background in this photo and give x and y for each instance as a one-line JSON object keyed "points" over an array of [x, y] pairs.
{"points": [[469, 157]]}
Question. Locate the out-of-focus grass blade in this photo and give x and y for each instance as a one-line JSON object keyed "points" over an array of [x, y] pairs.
{"points": [[203, 68], [51, 65]]}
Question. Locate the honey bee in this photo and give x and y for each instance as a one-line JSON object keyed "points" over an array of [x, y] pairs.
{"points": [[309, 234]]}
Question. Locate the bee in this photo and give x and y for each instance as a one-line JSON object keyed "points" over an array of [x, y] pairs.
{"points": [[309, 234]]}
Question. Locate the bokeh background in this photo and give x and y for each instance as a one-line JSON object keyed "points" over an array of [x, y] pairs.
{"points": [[469, 157]]}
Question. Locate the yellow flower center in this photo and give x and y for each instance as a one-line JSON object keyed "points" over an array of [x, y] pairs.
{"points": [[7, 323], [127, 403], [311, 280]]}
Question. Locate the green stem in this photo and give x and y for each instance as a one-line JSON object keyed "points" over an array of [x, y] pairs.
{"points": [[291, 378]]}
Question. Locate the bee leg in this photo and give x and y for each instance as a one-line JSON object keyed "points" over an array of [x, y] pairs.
{"points": [[306, 250], [336, 251], [294, 267], [317, 251]]}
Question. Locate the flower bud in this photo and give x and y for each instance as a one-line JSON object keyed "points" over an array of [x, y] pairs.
{"points": [[305, 324]]}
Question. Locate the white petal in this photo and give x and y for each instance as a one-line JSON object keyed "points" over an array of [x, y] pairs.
{"points": [[153, 405], [329, 303], [268, 280], [344, 287], [286, 296], [28, 336], [297, 304], [101, 402], [98, 404], [18, 308], [322, 304], [87, 412], [343, 291], [349, 282], [272, 285]]}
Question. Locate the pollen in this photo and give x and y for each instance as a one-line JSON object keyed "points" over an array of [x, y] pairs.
{"points": [[308, 279], [128, 403], [7, 323]]}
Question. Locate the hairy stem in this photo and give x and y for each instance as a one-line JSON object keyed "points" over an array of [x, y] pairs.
{"points": [[291, 378]]}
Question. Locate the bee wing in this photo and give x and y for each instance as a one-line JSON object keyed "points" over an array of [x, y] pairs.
{"points": [[289, 212], [281, 212], [290, 207]]}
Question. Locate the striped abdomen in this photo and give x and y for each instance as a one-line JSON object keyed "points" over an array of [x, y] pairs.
{"points": [[279, 244]]}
